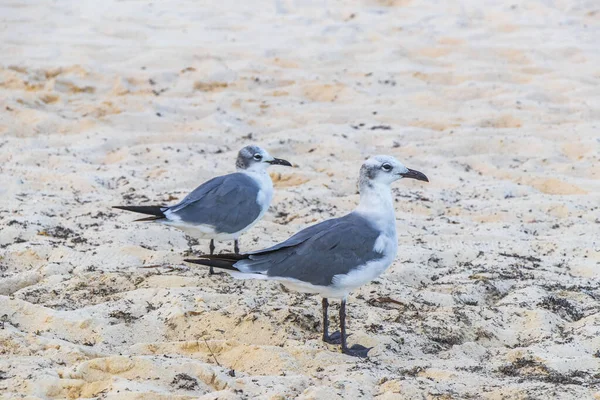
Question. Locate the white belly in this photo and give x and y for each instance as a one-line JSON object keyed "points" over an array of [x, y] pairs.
{"points": [[203, 232], [329, 292]]}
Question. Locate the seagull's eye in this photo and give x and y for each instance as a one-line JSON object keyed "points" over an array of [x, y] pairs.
{"points": [[386, 167], [257, 157]]}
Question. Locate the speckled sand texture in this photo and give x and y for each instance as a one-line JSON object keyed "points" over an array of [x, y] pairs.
{"points": [[495, 292]]}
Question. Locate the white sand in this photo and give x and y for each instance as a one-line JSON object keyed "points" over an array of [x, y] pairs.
{"points": [[111, 102]]}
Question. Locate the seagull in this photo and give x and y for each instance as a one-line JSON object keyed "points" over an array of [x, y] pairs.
{"points": [[224, 207], [336, 256]]}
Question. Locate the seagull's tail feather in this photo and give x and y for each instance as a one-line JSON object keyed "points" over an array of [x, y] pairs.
{"points": [[155, 211], [223, 261]]}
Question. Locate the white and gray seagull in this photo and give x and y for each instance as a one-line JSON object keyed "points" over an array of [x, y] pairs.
{"points": [[224, 207], [338, 255]]}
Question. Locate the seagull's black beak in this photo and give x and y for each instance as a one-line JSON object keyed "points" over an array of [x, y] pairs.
{"points": [[279, 161], [415, 175]]}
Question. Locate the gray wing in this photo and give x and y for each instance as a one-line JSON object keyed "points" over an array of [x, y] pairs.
{"points": [[228, 203], [318, 253]]}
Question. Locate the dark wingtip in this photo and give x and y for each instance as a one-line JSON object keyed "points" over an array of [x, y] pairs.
{"points": [[196, 261], [156, 211]]}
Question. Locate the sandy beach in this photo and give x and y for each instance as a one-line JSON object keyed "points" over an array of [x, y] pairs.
{"points": [[495, 293]]}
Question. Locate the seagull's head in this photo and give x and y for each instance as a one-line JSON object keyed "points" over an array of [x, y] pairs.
{"points": [[255, 158], [385, 170]]}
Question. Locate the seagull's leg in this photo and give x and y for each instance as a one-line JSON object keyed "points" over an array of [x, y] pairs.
{"points": [[356, 350], [211, 247], [236, 246], [325, 304], [343, 325], [334, 338]]}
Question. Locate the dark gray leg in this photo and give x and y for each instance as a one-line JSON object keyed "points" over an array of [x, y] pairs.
{"points": [[334, 338], [211, 271], [236, 246], [356, 350], [325, 304], [343, 325]]}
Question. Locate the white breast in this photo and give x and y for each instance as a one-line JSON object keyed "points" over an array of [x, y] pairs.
{"points": [[265, 192]]}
